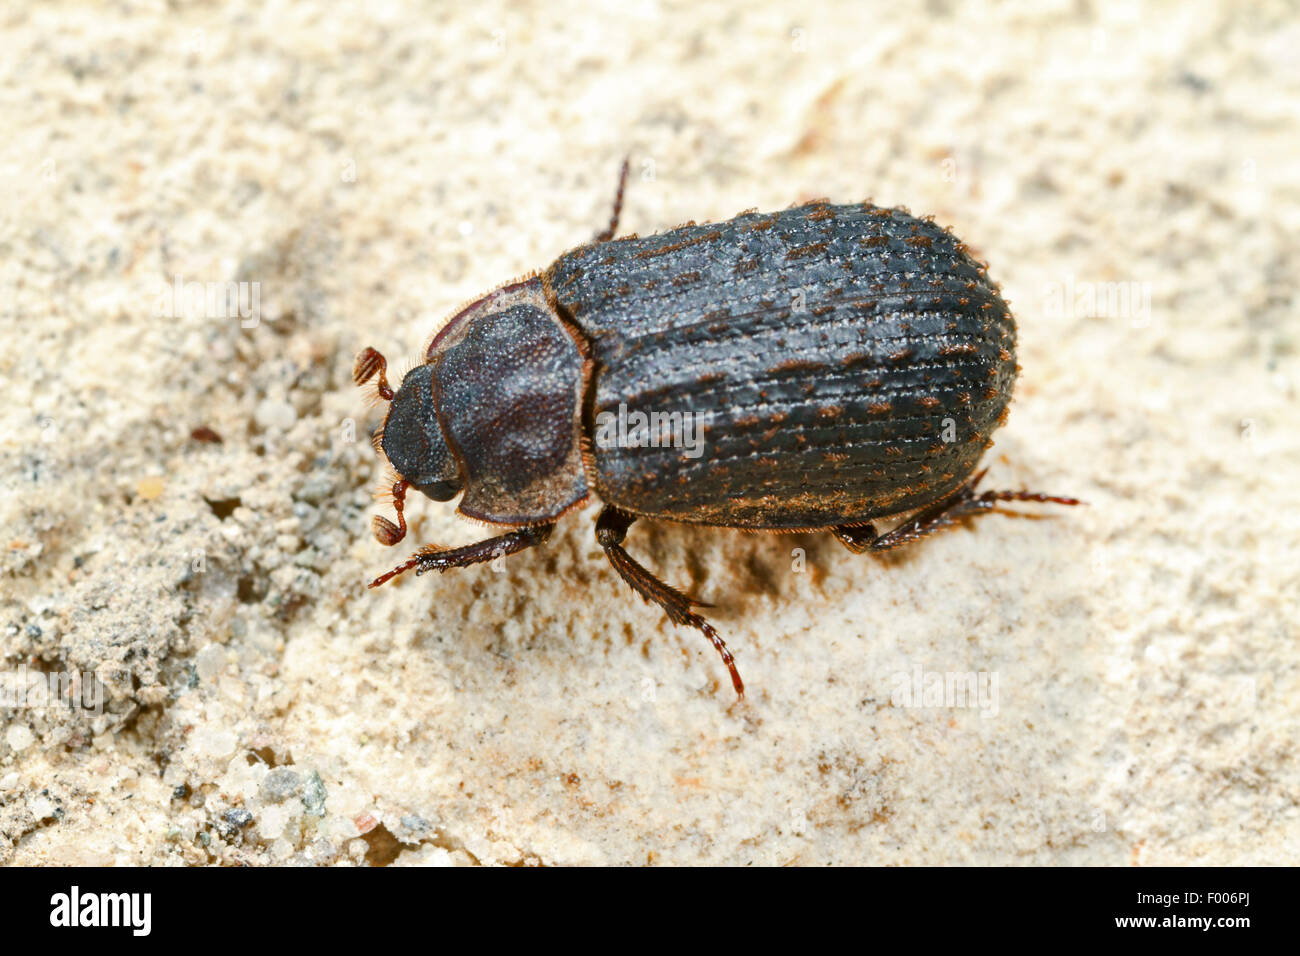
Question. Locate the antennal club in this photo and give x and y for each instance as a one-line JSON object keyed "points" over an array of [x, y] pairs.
{"points": [[387, 533], [368, 364]]}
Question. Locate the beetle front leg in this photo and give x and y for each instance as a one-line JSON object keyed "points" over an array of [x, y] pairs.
{"points": [[943, 514], [434, 558], [611, 529]]}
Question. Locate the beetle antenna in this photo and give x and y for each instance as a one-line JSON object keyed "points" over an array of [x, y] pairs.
{"points": [[387, 533], [383, 491], [368, 364]]}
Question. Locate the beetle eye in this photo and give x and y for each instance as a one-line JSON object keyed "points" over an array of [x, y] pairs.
{"points": [[441, 490]]}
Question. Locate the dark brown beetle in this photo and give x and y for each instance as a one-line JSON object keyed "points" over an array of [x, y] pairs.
{"points": [[844, 364]]}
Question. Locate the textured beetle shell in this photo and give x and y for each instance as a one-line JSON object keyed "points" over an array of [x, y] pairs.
{"points": [[506, 378], [519, 449], [828, 350]]}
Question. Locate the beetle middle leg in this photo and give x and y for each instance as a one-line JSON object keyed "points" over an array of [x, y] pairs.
{"points": [[942, 514], [434, 558], [611, 529]]}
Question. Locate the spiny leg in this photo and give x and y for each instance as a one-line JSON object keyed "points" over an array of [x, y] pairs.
{"points": [[433, 558], [607, 234], [942, 514], [611, 529], [368, 363], [960, 504]]}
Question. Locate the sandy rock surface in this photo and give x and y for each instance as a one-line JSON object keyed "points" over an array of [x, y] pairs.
{"points": [[1128, 171]]}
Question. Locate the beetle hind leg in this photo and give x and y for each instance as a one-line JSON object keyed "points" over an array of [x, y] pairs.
{"points": [[611, 529], [943, 514]]}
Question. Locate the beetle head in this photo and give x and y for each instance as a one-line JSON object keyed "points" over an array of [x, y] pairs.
{"points": [[493, 411], [413, 439]]}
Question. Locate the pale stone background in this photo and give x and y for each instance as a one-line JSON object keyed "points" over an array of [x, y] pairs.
{"points": [[371, 166]]}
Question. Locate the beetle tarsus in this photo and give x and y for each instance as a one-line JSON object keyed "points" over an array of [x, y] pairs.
{"points": [[608, 233], [611, 529], [943, 514], [433, 558]]}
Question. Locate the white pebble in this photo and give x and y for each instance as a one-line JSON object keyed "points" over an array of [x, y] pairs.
{"points": [[215, 743], [275, 414], [210, 661], [270, 822], [19, 737]]}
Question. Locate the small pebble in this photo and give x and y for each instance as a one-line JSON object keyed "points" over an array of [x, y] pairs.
{"points": [[314, 796], [149, 488], [279, 785], [19, 737], [215, 743], [210, 661], [275, 414], [238, 817]]}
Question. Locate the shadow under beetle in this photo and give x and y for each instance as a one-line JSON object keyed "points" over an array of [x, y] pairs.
{"points": [[844, 363]]}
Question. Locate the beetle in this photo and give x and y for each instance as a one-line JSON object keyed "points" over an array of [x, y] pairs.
{"points": [[838, 365]]}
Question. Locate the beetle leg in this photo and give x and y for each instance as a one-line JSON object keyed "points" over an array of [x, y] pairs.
{"points": [[857, 539], [434, 558], [611, 529], [607, 234], [943, 514]]}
